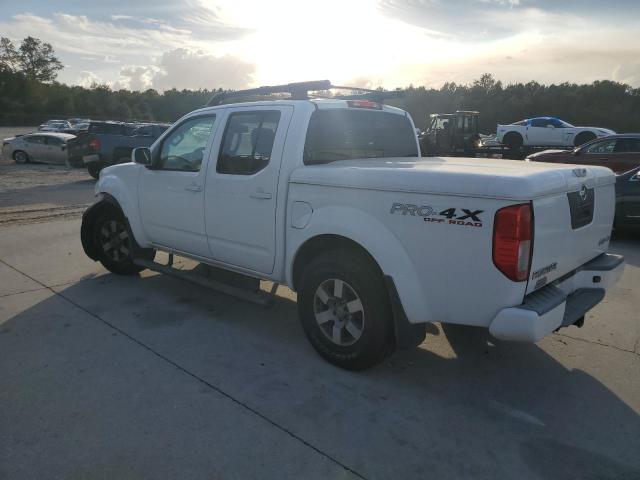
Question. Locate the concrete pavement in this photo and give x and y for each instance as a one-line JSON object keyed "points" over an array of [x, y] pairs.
{"points": [[149, 377]]}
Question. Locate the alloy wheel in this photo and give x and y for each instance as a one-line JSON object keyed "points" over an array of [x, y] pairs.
{"points": [[339, 312]]}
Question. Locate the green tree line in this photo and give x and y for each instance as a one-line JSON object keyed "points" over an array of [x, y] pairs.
{"points": [[29, 95]]}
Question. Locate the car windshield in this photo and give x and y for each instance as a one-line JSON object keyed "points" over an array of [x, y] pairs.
{"points": [[341, 134]]}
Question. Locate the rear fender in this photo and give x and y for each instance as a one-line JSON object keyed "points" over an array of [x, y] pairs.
{"points": [[378, 240]]}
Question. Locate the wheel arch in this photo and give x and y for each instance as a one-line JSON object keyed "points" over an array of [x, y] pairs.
{"points": [[358, 229]]}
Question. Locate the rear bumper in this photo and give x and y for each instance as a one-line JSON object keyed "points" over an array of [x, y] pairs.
{"points": [[94, 158], [559, 304]]}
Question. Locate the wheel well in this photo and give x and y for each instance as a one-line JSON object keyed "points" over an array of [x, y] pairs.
{"points": [[18, 151], [587, 133], [512, 133], [323, 243]]}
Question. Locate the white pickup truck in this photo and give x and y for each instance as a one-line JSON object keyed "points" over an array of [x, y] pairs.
{"points": [[332, 198]]}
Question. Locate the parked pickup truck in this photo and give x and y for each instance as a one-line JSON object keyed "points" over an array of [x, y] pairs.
{"points": [[332, 198], [109, 143]]}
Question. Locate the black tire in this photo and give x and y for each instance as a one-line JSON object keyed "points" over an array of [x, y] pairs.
{"points": [[513, 141], [114, 243], [20, 157], [94, 169], [361, 278], [583, 137]]}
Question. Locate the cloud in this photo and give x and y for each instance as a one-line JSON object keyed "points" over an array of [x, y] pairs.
{"points": [[184, 68], [87, 79]]}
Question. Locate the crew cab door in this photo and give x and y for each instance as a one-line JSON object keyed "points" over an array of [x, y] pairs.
{"points": [[171, 190], [242, 187]]}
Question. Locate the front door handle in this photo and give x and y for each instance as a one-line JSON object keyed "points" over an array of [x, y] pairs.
{"points": [[194, 188], [261, 195]]}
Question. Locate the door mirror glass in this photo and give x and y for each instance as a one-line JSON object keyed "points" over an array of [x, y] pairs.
{"points": [[142, 156]]}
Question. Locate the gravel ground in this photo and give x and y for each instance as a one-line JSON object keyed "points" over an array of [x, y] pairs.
{"points": [[35, 192]]}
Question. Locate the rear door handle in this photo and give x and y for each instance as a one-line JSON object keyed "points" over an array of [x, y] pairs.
{"points": [[194, 188], [261, 195]]}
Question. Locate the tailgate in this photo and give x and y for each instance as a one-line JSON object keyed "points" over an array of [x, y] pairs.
{"points": [[573, 227], [79, 146]]}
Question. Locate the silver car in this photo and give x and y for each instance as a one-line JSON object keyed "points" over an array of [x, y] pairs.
{"points": [[48, 147]]}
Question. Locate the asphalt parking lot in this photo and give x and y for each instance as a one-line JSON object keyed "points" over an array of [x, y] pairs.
{"points": [[104, 376]]}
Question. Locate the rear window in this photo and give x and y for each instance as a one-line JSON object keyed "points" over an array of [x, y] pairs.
{"points": [[343, 134], [110, 128]]}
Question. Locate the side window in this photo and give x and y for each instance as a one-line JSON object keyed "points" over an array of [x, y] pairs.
{"points": [[627, 145], [54, 141], [37, 139], [538, 122], [604, 147], [183, 149], [556, 123], [247, 142], [460, 123]]}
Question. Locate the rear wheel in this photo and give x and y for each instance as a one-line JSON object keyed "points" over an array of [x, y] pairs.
{"points": [[20, 157], [94, 169], [344, 309], [513, 140], [583, 137], [114, 243]]}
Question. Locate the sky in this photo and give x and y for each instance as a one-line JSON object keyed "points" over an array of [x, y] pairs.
{"points": [[161, 44]]}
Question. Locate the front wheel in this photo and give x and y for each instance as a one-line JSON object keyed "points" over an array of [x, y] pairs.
{"points": [[20, 157], [114, 243], [344, 309]]}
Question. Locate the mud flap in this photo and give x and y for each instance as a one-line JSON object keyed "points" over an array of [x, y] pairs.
{"points": [[408, 335], [86, 230]]}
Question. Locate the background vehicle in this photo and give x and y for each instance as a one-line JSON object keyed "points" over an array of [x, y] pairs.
{"points": [[55, 126], [620, 153], [547, 131], [110, 143], [37, 147], [628, 199], [451, 134], [331, 198]]}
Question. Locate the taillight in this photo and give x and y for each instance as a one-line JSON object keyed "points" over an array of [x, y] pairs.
{"points": [[94, 144], [513, 241]]}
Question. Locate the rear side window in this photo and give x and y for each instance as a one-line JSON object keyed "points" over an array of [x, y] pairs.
{"points": [[341, 134], [628, 145], [247, 142], [604, 147], [55, 141]]}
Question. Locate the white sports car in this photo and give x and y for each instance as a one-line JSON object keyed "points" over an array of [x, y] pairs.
{"points": [[546, 132]]}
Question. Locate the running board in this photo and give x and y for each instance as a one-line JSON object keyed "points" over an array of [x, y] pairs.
{"points": [[233, 284]]}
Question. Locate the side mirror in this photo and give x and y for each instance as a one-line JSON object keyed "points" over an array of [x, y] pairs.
{"points": [[142, 156], [577, 152], [635, 178], [550, 126]]}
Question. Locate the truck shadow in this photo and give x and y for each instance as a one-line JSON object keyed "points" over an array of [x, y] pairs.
{"points": [[460, 405]]}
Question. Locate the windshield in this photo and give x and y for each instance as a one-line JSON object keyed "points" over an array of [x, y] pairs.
{"points": [[342, 134]]}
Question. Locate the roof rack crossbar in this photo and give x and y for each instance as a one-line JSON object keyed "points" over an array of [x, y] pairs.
{"points": [[300, 91]]}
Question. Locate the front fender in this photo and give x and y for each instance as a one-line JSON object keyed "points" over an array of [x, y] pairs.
{"points": [[121, 183], [378, 240]]}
